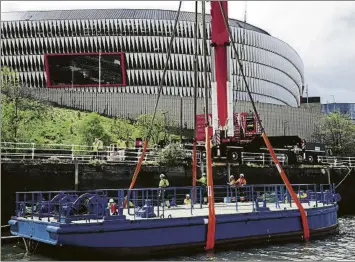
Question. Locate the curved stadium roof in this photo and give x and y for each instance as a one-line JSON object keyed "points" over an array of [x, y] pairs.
{"points": [[81, 14]]}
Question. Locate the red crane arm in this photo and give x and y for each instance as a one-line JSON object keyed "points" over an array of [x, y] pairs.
{"points": [[220, 41]]}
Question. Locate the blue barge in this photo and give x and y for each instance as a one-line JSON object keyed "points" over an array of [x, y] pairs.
{"points": [[255, 214]]}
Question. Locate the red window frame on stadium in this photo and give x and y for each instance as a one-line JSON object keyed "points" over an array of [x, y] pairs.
{"points": [[88, 53]]}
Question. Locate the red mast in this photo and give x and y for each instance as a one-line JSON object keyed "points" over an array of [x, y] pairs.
{"points": [[221, 87]]}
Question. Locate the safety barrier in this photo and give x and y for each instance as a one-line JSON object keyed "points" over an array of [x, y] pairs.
{"points": [[145, 203], [336, 161], [19, 151], [262, 158]]}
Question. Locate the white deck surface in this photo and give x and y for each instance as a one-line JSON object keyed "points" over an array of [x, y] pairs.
{"points": [[220, 208], [185, 211]]}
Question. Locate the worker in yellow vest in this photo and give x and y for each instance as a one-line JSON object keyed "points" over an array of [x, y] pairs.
{"points": [[187, 200], [164, 183], [203, 183]]}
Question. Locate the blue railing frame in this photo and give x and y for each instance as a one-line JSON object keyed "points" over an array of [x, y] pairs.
{"points": [[60, 210]]}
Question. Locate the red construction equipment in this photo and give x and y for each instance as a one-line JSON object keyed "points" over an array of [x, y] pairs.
{"points": [[222, 108]]}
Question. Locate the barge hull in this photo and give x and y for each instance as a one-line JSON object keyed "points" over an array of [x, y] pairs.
{"points": [[235, 243], [161, 235]]}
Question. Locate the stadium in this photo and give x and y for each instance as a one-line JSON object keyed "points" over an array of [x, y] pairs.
{"points": [[110, 61]]}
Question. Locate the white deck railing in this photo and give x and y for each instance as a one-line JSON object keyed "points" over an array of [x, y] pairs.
{"points": [[262, 158], [337, 161], [20, 151]]}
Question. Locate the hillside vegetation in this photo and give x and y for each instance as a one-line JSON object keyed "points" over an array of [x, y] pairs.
{"points": [[26, 120]]}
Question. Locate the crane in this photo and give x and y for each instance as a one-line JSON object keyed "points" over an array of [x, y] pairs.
{"points": [[222, 108], [222, 105], [221, 79]]}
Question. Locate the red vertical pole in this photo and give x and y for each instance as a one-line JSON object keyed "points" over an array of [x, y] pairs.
{"points": [[138, 168], [194, 160], [210, 192], [303, 213]]}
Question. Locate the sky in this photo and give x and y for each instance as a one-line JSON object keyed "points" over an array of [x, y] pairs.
{"points": [[321, 32]]}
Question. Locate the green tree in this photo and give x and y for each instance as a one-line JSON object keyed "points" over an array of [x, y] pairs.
{"points": [[122, 130], [24, 119], [160, 128], [172, 155], [18, 110], [91, 127], [337, 131]]}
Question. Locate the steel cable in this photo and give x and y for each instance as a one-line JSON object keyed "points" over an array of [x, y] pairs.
{"points": [[303, 214], [162, 80]]}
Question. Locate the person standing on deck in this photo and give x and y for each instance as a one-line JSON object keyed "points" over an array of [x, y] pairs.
{"points": [[113, 207], [164, 183], [203, 182], [232, 182], [187, 200], [241, 182]]}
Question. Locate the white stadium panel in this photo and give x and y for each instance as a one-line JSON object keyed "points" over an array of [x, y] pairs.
{"points": [[274, 70]]}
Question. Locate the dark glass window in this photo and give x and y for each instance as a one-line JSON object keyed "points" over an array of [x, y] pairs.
{"points": [[82, 70]]}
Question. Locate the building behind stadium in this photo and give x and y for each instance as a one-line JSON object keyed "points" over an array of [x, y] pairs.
{"points": [[110, 61]]}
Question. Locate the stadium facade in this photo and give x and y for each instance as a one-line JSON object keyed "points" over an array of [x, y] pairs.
{"points": [[110, 61]]}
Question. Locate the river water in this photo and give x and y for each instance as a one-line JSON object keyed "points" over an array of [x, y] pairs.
{"points": [[336, 247]]}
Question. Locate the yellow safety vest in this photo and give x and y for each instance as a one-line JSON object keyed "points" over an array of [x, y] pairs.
{"points": [[203, 180], [163, 183]]}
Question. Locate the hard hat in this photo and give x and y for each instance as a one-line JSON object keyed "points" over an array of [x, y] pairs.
{"points": [[231, 176], [187, 195], [203, 174], [111, 201], [241, 175], [162, 175]]}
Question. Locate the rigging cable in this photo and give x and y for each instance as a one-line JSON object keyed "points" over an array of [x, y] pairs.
{"points": [[162, 80], [211, 227], [243, 52], [194, 160], [267, 142], [349, 171]]}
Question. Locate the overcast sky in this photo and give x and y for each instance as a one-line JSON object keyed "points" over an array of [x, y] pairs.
{"points": [[323, 34]]}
